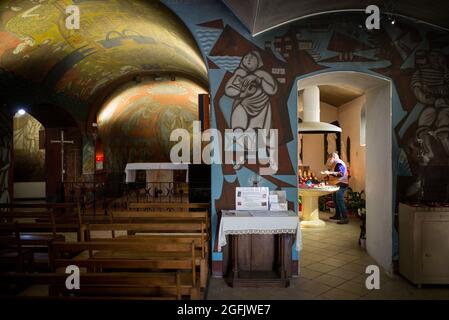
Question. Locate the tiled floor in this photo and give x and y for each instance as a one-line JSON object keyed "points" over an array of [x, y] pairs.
{"points": [[332, 267]]}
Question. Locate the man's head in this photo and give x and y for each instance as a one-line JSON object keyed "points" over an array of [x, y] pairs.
{"points": [[331, 159]]}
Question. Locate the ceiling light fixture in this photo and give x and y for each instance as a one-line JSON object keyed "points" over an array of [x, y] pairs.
{"points": [[20, 112], [311, 120]]}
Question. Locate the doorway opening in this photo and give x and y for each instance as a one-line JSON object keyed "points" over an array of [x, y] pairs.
{"points": [[360, 104], [29, 157]]}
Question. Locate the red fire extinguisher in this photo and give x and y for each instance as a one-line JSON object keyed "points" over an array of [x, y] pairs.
{"points": [[99, 159]]}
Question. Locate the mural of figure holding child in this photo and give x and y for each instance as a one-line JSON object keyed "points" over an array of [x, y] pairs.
{"points": [[250, 87]]}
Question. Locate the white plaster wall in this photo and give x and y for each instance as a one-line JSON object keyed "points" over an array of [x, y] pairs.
{"points": [[349, 120], [379, 191], [313, 144], [30, 190]]}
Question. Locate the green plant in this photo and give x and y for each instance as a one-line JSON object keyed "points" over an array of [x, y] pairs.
{"points": [[355, 200], [322, 203]]}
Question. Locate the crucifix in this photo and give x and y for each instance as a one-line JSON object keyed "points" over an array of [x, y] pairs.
{"points": [[62, 142]]}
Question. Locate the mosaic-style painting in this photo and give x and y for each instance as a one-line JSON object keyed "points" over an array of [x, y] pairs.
{"points": [[115, 38], [136, 122]]}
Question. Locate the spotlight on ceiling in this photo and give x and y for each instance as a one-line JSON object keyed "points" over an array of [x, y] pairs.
{"points": [[20, 112], [172, 77], [158, 77], [393, 21]]}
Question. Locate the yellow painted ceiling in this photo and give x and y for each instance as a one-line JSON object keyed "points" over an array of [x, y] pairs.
{"points": [[117, 37]]}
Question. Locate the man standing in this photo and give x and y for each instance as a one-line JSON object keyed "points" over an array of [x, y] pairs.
{"points": [[338, 176]]}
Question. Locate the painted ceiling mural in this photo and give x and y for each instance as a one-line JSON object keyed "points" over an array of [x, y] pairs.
{"points": [[415, 57], [116, 37], [136, 122]]}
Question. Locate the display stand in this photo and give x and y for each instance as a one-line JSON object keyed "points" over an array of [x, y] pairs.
{"points": [[248, 231]]}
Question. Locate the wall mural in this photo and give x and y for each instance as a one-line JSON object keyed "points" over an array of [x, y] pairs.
{"points": [[414, 57], [116, 37], [88, 156], [426, 140], [250, 88], [136, 122], [29, 160], [5, 156]]}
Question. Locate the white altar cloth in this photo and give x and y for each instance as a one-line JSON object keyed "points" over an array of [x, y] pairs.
{"points": [[259, 222], [131, 169]]}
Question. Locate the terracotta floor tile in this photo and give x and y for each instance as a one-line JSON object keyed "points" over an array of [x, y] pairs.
{"points": [[330, 280]]}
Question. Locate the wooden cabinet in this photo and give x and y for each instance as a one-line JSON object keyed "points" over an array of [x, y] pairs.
{"points": [[260, 260], [424, 244]]}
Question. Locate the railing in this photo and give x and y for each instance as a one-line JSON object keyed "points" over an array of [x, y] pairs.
{"points": [[90, 195], [96, 197]]}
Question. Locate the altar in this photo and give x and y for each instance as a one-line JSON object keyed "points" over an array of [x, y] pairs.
{"points": [[260, 246], [153, 171]]}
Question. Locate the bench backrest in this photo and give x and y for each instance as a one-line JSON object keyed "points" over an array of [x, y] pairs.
{"points": [[124, 255], [198, 240], [164, 285], [167, 205], [10, 236], [151, 227]]}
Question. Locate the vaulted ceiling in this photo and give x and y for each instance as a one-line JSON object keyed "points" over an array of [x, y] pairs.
{"points": [[117, 38], [261, 15]]}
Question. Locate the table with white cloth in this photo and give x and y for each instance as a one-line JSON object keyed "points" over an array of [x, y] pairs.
{"points": [[131, 168], [259, 240]]}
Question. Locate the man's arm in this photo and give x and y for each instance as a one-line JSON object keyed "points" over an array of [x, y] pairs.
{"points": [[339, 171]]}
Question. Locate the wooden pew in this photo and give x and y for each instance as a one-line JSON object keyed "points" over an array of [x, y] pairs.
{"points": [[48, 206], [12, 254], [98, 286], [137, 256], [169, 232], [160, 216], [50, 219], [41, 227], [36, 243], [181, 206]]}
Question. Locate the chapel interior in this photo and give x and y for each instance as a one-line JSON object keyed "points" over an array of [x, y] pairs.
{"points": [[115, 135]]}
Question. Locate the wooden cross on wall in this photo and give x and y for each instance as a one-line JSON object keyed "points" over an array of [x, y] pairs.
{"points": [[62, 142]]}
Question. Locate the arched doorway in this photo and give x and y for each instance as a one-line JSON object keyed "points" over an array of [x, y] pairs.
{"points": [[379, 172], [39, 165], [29, 157]]}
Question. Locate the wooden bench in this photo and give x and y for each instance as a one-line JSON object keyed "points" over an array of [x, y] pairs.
{"points": [[97, 286], [12, 254], [161, 216], [52, 219], [169, 232], [154, 258], [167, 206], [48, 206], [36, 243]]}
